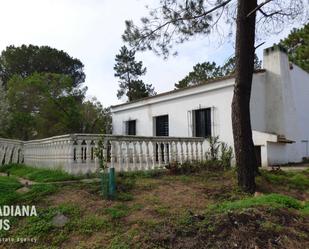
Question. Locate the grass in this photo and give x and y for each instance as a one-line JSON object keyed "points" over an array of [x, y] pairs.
{"points": [[8, 187], [271, 200], [157, 210], [296, 180], [37, 174]]}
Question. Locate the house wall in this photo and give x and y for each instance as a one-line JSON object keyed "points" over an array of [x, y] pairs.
{"points": [[279, 100], [180, 105], [300, 90]]}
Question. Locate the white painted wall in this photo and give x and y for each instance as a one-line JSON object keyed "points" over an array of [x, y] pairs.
{"points": [[278, 105]]}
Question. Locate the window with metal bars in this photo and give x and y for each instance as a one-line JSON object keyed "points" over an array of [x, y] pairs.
{"points": [[202, 121]]}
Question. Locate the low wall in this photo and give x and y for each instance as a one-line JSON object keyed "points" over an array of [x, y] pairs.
{"points": [[75, 153]]}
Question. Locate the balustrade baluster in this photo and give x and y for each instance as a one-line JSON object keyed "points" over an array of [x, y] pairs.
{"points": [[127, 157], [201, 151], [196, 151], [153, 155], [141, 166], [112, 165], [134, 156], [181, 152], [159, 154], [147, 155], [165, 153]]}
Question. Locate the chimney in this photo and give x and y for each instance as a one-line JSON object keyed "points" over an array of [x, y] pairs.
{"points": [[280, 105]]}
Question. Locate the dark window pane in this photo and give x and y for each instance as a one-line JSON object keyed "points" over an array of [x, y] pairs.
{"points": [[162, 125], [203, 122], [131, 127]]}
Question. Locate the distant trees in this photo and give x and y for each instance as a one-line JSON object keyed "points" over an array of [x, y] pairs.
{"points": [[26, 60], [128, 71], [297, 45], [42, 95], [4, 110], [210, 70]]}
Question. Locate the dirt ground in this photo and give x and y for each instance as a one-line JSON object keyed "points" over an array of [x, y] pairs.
{"points": [[169, 212]]}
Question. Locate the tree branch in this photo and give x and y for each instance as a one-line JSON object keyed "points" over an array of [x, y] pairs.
{"points": [[255, 48], [258, 7], [187, 18]]}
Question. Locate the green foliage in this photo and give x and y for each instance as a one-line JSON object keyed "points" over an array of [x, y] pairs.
{"points": [[27, 60], [4, 110], [91, 224], [118, 211], [118, 243], [38, 191], [298, 180], [219, 152], [43, 105], [8, 187], [226, 155], [123, 196], [95, 118], [297, 45], [37, 174], [271, 200], [128, 71], [271, 227], [9, 196], [203, 72]]}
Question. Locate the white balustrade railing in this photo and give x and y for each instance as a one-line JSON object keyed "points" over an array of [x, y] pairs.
{"points": [[10, 151], [75, 153]]}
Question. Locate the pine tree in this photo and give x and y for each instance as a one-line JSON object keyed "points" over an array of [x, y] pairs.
{"points": [[209, 70], [128, 71], [297, 45]]}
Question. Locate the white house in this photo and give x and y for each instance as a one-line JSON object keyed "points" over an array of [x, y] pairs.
{"points": [[279, 111]]}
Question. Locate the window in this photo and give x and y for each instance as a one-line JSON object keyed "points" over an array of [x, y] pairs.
{"points": [[202, 121], [131, 127], [162, 125]]}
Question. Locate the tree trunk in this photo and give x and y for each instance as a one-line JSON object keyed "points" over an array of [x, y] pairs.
{"points": [[242, 132]]}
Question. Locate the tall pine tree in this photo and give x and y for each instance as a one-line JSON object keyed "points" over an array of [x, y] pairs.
{"points": [[297, 45], [128, 71]]}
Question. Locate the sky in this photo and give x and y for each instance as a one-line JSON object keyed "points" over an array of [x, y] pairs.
{"points": [[91, 30]]}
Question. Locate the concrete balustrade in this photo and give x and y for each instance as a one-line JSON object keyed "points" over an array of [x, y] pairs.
{"points": [[75, 153]]}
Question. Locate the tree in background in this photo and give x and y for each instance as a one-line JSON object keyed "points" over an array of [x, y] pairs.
{"points": [[201, 73], [208, 71], [128, 71], [297, 45], [176, 21], [4, 110], [26, 60], [43, 105], [46, 104], [96, 119], [42, 95]]}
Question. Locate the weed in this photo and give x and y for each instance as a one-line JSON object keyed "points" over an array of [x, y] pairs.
{"points": [[37, 174], [271, 227], [122, 196], [274, 200], [91, 224], [118, 211]]}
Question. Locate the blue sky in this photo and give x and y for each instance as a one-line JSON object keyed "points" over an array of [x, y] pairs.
{"points": [[91, 30]]}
